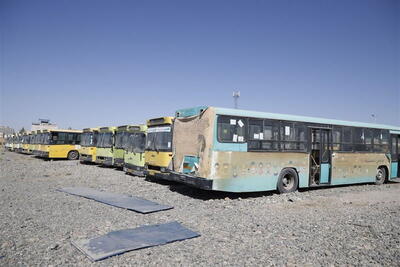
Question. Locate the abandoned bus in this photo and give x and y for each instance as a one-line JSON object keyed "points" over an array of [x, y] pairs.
{"points": [[61, 144], [121, 140], [32, 142], [37, 143], [244, 151], [87, 152], [25, 143], [104, 147], [134, 153], [158, 150]]}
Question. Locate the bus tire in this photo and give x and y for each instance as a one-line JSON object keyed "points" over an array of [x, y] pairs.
{"points": [[288, 181], [73, 155], [380, 177]]}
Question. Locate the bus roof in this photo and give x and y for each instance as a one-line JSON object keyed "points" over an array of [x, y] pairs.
{"points": [[160, 121], [88, 130], [130, 128], [107, 129], [277, 116], [64, 131], [256, 114]]}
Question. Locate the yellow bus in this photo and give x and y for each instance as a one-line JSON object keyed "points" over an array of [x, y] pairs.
{"points": [[134, 153], [25, 143], [158, 150], [104, 146], [61, 144], [36, 143], [88, 145], [32, 140]]}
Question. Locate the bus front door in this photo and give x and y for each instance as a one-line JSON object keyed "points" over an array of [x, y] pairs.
{"points": [[320, 161], [394, 153]]}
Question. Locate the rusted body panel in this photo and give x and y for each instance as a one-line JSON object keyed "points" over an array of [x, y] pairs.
{"points": [[350, 168]]}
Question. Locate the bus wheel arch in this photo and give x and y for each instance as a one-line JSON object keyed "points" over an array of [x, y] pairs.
{"points": [[382, 174], [288, 180], [73, 155]]}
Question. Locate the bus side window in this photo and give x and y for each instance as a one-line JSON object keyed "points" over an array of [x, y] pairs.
{"points": [[337, 138], [231, 129], [61, 138], [368, 139], [347, 140]]}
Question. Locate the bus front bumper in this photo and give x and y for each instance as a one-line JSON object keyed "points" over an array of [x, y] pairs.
{"points": [[44, 154], [86, 158], [119, 162], [189, 180], [133, 169], [106, 161]]}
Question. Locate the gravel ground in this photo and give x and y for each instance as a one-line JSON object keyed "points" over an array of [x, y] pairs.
{"points": [[353, 225]]}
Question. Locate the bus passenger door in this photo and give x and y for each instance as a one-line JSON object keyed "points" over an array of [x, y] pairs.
{"points": [[394, 153], [320, 161]]}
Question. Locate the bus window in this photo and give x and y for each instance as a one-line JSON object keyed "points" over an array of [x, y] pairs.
{"points": [[231, 129], [337, 138], [368, 139], [347, 140], [293, 136]]}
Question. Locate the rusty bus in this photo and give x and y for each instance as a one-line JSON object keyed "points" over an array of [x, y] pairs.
{"points": [[246, 151]]}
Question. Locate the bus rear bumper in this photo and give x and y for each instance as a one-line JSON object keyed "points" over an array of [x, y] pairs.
{"points": [[189, 180]]}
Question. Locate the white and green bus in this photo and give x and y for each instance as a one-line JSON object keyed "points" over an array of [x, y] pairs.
{"points": [[246, 151]]}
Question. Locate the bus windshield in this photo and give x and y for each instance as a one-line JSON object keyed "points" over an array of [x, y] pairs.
{"points": [[45, 139], [136, 142], [159, 139], [105, 140], [121, 140], [88, 139]]}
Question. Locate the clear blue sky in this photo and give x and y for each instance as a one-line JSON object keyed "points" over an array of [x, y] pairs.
{"points": [[97, 63]]}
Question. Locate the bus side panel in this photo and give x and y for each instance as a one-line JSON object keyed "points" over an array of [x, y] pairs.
{"points": [[393, 172], [352, 168], [255, 171], [60, 151]]}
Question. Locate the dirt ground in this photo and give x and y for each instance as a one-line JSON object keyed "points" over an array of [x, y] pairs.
{"points": [[346, 225]]}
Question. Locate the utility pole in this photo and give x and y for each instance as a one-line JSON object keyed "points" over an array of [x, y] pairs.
{"points": [[236, 95]]}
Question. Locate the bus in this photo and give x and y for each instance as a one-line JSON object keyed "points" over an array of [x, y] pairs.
{"points": [[121, 140], [25, 143], [88, 145], [247, 151], [37, 149], [134, 159], [32, 140], [104, 146], [18, 143], [158, 149], [8, 143], [60, 144]]}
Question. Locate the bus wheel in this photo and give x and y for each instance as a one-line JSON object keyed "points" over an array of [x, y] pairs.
{"points": [[73, 155], [380, 175], [288, 181]]}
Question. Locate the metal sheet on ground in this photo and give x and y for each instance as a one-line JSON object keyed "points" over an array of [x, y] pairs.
{"points": [[118, 242], [117, 200]]}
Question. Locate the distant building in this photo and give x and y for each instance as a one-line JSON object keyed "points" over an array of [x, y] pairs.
{"points": [[4, 132], [43, 124]]}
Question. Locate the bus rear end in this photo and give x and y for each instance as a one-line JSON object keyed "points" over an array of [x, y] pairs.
{"points": [[158, 150]]}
